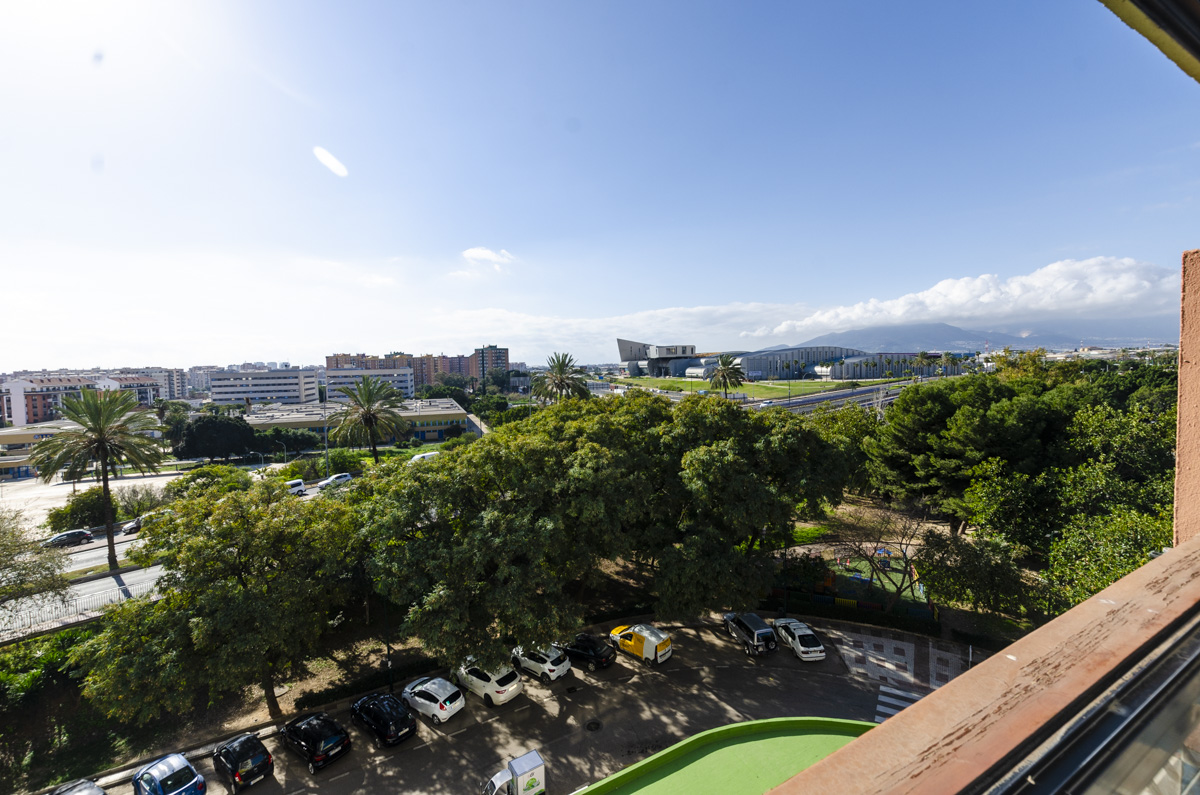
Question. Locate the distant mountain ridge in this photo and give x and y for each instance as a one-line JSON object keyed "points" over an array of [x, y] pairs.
{"points": [[944, 337]]}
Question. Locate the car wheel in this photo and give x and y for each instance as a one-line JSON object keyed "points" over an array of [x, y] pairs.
{"points": [[377, 741], [545, 677], [233, 788], [436, 720], [312, 769], [749, 651], [647, 661], [592, 667], [797, 653], [487, 699]]}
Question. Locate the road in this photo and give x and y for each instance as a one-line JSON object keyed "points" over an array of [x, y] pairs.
{"points": [[708, 682], [93, 554]]}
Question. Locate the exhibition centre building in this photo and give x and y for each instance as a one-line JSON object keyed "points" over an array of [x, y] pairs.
{"points": [[783, 363]]}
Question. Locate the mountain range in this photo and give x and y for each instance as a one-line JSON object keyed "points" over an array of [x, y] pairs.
{"points": [[944, 337]]}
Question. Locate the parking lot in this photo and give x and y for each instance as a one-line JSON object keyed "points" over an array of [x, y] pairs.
{"points": [[589, 725]]}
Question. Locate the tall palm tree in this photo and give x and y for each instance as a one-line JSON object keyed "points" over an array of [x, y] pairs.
{"points": [[111, 432], [373, 413], [947, 360], [562, 379], [923, 361], [727, 374]]}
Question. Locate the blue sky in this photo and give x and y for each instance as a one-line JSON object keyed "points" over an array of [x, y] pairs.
{"points": [[547, 176]]}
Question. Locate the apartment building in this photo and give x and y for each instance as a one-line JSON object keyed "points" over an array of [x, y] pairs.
{"points": [[35, 399], [400, 378], [270, 386], [363, 361], [487, 358], [198, 378]]}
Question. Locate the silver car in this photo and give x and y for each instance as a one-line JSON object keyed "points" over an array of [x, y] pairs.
{"points": [[433, 697]]}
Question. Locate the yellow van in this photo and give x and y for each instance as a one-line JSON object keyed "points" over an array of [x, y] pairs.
{"points": [[647, 643]]}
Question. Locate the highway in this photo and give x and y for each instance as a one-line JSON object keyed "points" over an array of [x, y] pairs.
{"points": [[87, 555]]}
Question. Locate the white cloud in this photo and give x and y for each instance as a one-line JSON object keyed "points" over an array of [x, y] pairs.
{"points": [[329, 161], [481, 260], [1093, 288]]}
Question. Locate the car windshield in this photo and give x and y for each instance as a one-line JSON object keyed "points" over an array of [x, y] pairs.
{"points": [[507, 679], [808, 641], [450, 699], [330, 742], [559, 660], [587, 642], [177, 780]]}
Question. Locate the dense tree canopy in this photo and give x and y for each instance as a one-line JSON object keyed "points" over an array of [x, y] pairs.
{"points": [[491, 544], [216, 436]]}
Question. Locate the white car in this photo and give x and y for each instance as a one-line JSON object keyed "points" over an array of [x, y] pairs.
{"points": [[799, 637], [424, 456], [433, 697], [336, 480], [494, 687], [546, 664], [295, 487]]}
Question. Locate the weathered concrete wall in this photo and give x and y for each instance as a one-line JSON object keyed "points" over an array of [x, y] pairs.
{"points": [[1187, 444]]}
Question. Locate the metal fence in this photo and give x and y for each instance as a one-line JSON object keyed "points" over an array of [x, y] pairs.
{"points": [[64, 612]]}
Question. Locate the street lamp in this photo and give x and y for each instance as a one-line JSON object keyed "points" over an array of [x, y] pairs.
{"points": [[325, 421], [284, 446]]}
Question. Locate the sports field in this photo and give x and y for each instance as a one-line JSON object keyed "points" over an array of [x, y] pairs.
{"points": [[739, 759]]}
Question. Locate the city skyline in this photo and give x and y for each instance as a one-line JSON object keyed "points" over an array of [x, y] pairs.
{"points": [[199, 182]]}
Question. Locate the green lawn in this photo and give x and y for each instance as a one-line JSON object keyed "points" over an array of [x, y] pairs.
{"points": [[809, 535], [849, 587]]}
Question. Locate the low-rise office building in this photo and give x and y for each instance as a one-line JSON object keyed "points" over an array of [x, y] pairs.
{"points": [[431, 420], [401, 379], [264, 386]]}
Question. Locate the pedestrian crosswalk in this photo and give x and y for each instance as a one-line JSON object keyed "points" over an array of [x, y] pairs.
{"points": [[892, 700]]}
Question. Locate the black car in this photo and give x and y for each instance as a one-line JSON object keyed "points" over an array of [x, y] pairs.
{"points": [[243, 761], [589, 650], [81, 787], [71, 538], [752, 632], [317, 738], [384, 718]]}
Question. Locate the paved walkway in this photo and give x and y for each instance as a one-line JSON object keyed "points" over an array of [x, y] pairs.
{"points": [[35, 498]]}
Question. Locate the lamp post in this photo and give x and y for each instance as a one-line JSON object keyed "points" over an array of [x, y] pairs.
{"points": [[325, 422], [284, 446]]}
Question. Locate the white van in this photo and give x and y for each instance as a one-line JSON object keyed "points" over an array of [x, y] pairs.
{"points": [[295, 487]]}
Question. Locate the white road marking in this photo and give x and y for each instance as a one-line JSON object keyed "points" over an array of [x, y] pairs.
{"points": [[895, 692], [340, 775]]}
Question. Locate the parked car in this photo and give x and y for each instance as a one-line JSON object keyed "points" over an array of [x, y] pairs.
{"points": [[337, 480], [546, 664], [171, 775], [317, 738], [588, 650], [433, 697], [81, 787], [295, 487], [645, 642], [799, 637], [384, 718], [71, 538], [494, 687], [752, 632], [243, 761], [144, 520]]}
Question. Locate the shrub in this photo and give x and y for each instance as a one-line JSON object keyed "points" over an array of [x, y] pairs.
{"points": [[215, 477], [84, 509]]}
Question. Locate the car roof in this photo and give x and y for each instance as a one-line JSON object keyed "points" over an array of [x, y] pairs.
{"points": [[81, 787], [650, 632], [161, 768], [241, 743], [439, 687], [795, 624]]}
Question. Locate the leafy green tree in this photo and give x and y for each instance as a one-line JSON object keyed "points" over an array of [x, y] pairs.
{"points": [[372, 414], [455, 380], [1095, 552], [285, 440], [137, 499], [457, 394], [214, 478], [83, 510], [342, 459], [982, 571], [251, 580], [727, 375], [174, 423], [847, 428], [33, 574], [111, 432], [498, 377], [216, 436], [562, 379]]}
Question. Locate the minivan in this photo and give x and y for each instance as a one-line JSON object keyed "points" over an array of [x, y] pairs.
{"points": [[295, 487]]}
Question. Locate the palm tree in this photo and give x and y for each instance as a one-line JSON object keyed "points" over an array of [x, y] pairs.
{"points": [[111, 432], [562, 379], [947, 361], [728, 373], [373, 413], [923, 361]]}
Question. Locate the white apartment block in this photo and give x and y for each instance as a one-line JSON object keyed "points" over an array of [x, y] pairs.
{"points": [[198, 377], [270, 386], [401, 379]]}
